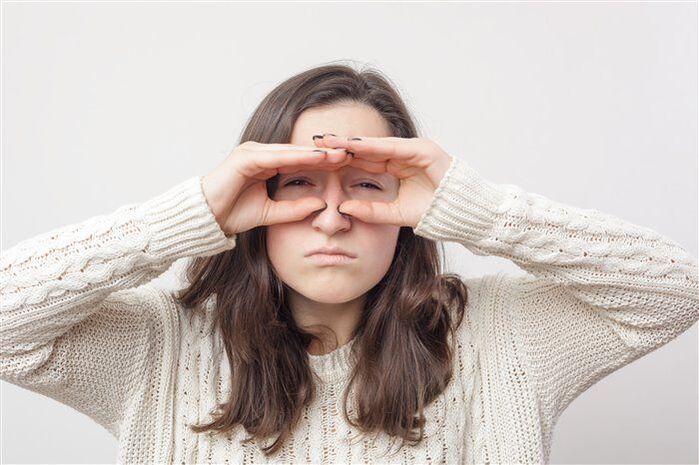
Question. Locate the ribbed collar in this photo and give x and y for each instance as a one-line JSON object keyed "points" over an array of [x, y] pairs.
{"points": [[334, 366]]}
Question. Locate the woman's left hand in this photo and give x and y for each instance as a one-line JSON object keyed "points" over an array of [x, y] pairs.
{"points": [[418, 163]]}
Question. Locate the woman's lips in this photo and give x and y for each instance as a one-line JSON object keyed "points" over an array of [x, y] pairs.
{"points": [[330, 259]]}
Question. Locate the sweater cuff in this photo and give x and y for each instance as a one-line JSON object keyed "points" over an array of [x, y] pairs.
{"points": [[182, 224], [464, 206]]}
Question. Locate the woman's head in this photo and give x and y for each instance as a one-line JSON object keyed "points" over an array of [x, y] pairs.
{"points": [[373, 245], [403, 357]]}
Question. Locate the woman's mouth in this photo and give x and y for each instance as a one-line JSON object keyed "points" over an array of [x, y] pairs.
{"points": [[330, 258]]}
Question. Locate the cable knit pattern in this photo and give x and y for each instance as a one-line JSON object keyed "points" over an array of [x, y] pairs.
{"points": [[82, 324], [599, 293]]}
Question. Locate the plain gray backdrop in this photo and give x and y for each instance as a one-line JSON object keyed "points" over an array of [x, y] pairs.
{"points": [[589, 104]]}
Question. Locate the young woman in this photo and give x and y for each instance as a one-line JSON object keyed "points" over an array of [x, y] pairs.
{"points": [[316, 325]]}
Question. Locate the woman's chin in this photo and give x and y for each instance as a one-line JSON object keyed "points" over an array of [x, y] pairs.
{"points": [[331, 296], [335, 292]]}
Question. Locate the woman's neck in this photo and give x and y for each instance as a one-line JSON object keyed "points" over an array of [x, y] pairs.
{"points": [[342, 318]]}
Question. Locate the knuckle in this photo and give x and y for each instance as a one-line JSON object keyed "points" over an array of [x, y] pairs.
{"points": [[264, 217]]}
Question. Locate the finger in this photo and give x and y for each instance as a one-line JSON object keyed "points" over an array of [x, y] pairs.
{"points": [[276, 148], [320, 142], [283, 158], [284, 211], [368, 165], [373, 212], [322, 166], [280, 147], [377, 148]]}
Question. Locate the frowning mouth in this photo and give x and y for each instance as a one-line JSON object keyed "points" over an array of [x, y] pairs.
{"points": [[331, 251], [330, 258]]}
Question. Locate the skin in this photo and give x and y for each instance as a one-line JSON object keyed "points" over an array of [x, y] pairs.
{"points": [[333, 295]]}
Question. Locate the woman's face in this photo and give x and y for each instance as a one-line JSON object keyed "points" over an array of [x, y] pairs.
{"points": [[373, 245]]}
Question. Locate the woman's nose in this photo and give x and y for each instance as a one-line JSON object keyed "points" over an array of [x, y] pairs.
{"points": [[330, 218]]}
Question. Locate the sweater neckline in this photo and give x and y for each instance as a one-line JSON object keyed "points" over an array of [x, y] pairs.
{"points": [[334, 366]]}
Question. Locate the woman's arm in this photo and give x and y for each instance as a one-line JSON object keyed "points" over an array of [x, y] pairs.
{"points": [[74, 323], [600, 292]]}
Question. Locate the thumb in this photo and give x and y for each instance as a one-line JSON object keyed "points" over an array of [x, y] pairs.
{"points": [[372, 212], [284, 211]]}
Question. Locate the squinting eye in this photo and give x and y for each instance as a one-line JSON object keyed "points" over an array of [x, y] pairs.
{"points": [[292, 183], [370, 184]]}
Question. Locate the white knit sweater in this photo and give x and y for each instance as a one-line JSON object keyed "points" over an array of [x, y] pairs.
{"points": [[80, 323]]}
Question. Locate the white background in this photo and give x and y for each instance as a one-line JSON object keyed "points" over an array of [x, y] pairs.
{"points": [[590, 104]]}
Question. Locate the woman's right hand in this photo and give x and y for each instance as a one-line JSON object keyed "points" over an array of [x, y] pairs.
{"points": [[236, 190]]}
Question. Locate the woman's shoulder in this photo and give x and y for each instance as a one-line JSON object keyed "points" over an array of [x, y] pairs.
{"points": [[487, 297], [483, 289], [498, 285]]}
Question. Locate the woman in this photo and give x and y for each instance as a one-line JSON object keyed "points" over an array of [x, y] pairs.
{"points": [[275, 353]]}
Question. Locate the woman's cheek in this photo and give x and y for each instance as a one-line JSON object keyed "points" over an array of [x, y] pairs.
{"points": [[381, 243], [279, 248]]}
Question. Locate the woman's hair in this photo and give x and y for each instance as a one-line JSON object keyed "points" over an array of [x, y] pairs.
{"points": [[403, 357]]}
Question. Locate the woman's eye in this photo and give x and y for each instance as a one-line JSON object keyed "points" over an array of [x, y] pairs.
{"points": [[370, 184], [293, 183]]}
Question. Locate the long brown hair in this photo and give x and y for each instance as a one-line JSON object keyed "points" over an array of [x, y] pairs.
{"points": [[403, 357]]}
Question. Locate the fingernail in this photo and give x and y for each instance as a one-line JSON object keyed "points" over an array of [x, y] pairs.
{"points": [[319, 150], [330, 134], [355, 138], [317, 136]]}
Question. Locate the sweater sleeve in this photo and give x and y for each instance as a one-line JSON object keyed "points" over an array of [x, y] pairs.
{"points": [[76, 324], [599, 292]]}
